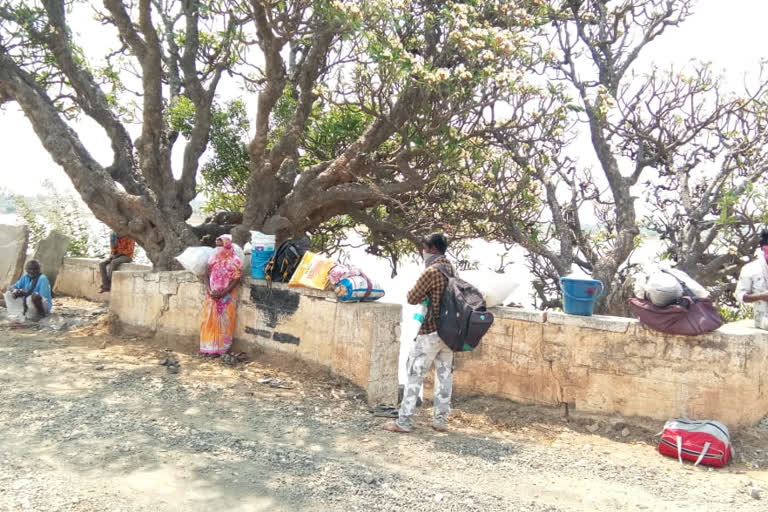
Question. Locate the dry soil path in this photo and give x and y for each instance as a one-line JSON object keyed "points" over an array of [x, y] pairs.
{"points": [[87, 424]]}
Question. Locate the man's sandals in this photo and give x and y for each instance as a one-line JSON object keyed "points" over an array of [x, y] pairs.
{"points": [[392, 426]]}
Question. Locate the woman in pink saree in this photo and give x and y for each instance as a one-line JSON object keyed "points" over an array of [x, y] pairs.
{"points": [[222, 278]]}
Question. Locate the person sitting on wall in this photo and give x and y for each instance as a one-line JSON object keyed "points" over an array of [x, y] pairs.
{"points": [[32, 293], [753, 283], [120, 251]]}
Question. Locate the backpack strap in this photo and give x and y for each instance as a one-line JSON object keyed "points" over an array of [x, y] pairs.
{"points": [[447, 272]]}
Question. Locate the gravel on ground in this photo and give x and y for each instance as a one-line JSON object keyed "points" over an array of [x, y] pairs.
{"points": [[92, 422]]}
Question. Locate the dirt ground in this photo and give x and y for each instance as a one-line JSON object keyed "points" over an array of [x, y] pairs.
{"points": [[92, 422]]}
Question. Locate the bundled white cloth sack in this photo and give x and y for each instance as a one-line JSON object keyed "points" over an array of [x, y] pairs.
{"points": [[496, 288], [661, 284], [662, 289], [195, 259], [698, 291]]}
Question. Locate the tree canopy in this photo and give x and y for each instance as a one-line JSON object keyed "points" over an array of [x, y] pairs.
{"points": [[397, 117], [420, 77]]}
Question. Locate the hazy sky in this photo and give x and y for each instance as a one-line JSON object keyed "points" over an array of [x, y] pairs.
{"points": [[724, 32]]}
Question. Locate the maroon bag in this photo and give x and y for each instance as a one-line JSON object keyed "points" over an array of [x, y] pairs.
{"points": [[689, 317]]}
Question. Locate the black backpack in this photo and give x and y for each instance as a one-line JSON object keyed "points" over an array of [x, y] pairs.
{"points": [[287, 257], [464, 319]]}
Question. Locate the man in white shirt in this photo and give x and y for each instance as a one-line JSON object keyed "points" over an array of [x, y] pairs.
{"points": [[753, 283]]}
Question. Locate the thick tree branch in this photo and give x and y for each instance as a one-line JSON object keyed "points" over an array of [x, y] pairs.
{"points": [[91, 99], [126, 28]]}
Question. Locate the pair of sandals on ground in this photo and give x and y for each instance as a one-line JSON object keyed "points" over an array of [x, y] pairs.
{"points": [[228, 358]]}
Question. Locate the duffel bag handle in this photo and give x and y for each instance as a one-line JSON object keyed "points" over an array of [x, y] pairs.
{"points": [[703, 453]]}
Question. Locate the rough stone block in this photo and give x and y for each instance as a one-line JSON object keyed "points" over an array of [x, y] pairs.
{"points": [[50, 254], [13, 253], [525, 338]]}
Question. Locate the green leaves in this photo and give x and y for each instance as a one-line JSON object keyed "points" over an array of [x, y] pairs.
{"points": [[225, 174], [181, 115], [55, 211]]}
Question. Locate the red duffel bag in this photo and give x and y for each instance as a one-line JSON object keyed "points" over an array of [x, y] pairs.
{"points": [[694, 316], [701, 442]]}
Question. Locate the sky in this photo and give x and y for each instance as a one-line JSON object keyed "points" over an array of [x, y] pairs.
{"points": [[725, 33]]}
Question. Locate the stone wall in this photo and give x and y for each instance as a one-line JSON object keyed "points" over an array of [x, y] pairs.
{"points": [[615, 365], [598, 364], [81, 277], [359, 342]]}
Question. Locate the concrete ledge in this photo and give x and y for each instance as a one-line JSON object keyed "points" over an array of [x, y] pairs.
{"points": [[307, 292], [525, 315], [595, 322], [81, 277], [359, 342]]}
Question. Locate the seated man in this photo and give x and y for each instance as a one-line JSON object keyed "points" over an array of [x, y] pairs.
{"points": [[120, 251], [753, 283], [32, 293]]}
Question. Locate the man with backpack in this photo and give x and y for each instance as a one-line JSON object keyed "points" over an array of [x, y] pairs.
{"points": [[428, 347]]}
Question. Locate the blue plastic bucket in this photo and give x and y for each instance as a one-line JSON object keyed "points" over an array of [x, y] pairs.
{"points": [[259, 259], [262, 250], [580, 295]]}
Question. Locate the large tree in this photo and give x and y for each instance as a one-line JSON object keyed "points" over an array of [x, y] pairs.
{"points": [[423, 73], [170, 52], [675, 140]]}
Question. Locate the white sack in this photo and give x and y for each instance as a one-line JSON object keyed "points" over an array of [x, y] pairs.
{"points": [[496, 288], [699, 291], [195, 259], [662, 289], [239, 252], [655, 273]]}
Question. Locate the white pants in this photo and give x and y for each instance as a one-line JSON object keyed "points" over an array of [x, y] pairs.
{"points": [[427, 348]]}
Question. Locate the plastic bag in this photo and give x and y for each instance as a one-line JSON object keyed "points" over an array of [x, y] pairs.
{"points": [[496, 288], [312, 272], [339, 272], [195, 259], [412, 322], [239, 252], [15, 306]]}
